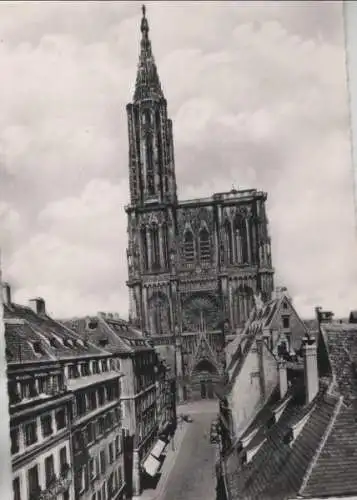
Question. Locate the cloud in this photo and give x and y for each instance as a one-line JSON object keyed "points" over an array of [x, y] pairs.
{"points": [[257, 94]]}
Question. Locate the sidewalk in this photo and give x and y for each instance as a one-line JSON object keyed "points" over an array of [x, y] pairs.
{"points": [[167, 466]]}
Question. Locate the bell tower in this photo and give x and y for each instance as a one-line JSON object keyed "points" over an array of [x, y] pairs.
{"points": [[151, 153]]}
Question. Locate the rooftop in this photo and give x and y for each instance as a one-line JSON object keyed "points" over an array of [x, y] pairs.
{"points": [[32, 337], [307, 451]]}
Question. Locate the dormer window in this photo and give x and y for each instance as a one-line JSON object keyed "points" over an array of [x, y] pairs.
{"points": [[295, 430], [286, 322], [247, 439], [250, 454], [68, 342], [37, 347], [92, 324], [54, 341]]}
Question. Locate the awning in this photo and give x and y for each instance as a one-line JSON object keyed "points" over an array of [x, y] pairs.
{"points": [[151, 465], [158, 448]]}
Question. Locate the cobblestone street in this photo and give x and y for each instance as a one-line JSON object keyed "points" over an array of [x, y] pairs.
{"points": [[190, 473]]}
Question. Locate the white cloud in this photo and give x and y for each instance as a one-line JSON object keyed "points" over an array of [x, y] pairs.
{"points": [[258, 97]]}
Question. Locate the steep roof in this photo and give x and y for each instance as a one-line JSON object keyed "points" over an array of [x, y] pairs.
{"points": [[38, 337], [114, 334], [321, 459]]}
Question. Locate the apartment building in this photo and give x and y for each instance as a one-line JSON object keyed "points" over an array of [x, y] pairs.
{"points": [[65, 415], [141, 405]]}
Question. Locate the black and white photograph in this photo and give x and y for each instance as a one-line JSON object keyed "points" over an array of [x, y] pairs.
{"points": [[178, 270]]}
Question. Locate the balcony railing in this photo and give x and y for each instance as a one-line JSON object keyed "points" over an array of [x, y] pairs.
{"points": [[57, 486]]}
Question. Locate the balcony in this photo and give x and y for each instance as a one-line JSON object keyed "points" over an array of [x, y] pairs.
{"points": [[57, 486]]}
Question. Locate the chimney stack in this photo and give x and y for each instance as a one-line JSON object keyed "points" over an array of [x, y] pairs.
{"points": [[323, 316], [6, 293], [38, 305], [310, 369], [283, 378]]}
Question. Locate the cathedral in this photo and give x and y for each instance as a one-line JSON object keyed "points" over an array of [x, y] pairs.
{"points": [[194, 266]]}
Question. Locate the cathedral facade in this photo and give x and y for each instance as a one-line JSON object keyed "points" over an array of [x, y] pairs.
{"points": [[194, 266]]}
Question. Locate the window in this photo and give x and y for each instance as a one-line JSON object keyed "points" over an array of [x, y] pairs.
{"points": [[81, 404], [111, 453], [46, 425], [102, 462], [101, 425], [90, 432], [286, 322], [155, 247], [144, 248], [95, 367], [117, 446], [104, 365], [61, 419], [49, 470], [25, 390], [93, 400], [188, 248], [30, 433], [228, 242], [16, 488], [83, 474], [205, 251], [101, 396], [33, 485], [92, 472], [120, 476], [285, 305], [14, 433], [240, 230], [63, 459]]}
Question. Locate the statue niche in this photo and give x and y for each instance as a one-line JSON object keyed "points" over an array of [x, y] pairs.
{"points": [[159, 313], [201, 311]]}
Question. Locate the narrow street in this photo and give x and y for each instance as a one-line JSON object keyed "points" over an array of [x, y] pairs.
{"points": [[192, 474]]}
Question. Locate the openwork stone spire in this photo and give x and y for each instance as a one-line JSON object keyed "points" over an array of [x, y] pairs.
{"points": [[147, 84]]}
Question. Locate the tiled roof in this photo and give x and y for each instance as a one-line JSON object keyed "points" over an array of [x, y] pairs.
{"points": [[341, 343], [31, 337], [322, 460], [278, 469], [19, 339], [114, 335]]}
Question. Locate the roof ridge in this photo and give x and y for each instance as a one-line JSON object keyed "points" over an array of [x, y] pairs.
{"points": [[324, 438], [114, 333]]}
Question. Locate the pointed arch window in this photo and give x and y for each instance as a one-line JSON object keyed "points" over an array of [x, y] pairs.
{"points": [[149, 153], [205, 247], [228, 242], [144, 248], [241, 239], [165, 244], [188, 246], [155, 247]]}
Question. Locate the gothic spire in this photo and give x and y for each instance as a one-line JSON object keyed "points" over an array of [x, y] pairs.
{"points": [[147, 79]]}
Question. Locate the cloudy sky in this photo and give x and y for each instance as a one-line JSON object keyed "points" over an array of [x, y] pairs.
{"points": [[258, 97]]}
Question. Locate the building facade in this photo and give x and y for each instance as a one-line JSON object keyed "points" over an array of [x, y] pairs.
{"points": [[147, 409], [65, 410], [194, 265]]}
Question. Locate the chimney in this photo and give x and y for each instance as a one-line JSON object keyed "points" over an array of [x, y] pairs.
{"points": [[283, 378], [38, 305], [6, 293], [323, 316], [310, 368]]}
